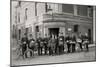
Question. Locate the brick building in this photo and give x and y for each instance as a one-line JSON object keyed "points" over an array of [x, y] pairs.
{"points": [[44, 19]]}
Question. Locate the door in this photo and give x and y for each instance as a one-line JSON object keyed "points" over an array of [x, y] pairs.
{"points": [[54, 31]]}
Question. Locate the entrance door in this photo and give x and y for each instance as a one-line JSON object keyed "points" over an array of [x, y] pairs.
{"points": [[54, 31]]}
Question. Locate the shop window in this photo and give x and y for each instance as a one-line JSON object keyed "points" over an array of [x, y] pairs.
{"points": [[76, 28], [27, 30]]}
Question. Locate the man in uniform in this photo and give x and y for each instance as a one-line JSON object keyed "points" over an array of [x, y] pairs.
{"points": [[61, 43], [39, 40], [31, 43], [56, 46], [67, 39], [86, 39], [24, 42], [49, 46], [73, 40], [80, 41], [45, 44]]}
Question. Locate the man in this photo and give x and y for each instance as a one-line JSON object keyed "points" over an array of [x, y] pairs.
{"points": [[45, 44], [56, 46], [49, 46], [80, 41], [53, 44], [39, 47], [31, 43], [86, 39], [67, 39], [24, 42], [73, 41], [61, 43]]}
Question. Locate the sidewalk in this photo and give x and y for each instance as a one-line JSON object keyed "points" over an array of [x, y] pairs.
{"points": [[92, 45]]}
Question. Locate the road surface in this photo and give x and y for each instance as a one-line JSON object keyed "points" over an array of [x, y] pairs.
{"points": [[45, 59]]}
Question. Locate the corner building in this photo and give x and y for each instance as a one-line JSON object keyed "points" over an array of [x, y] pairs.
{"points": [[44, 19]]}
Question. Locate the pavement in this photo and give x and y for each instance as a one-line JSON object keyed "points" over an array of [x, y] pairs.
{"points": [[66, 57]]}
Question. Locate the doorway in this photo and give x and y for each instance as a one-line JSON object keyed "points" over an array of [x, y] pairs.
{"points": [[54, 31]]}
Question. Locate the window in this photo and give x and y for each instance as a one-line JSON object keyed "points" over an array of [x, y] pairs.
{"points": [[76, 28], [30, 29], [26, 13], [19, 34], [67, 8], [13, 31], [82, 10], [48, 7], [37, 28], [27, 30], [19, 17], [35, 8], [90, 11], [19, 3]]}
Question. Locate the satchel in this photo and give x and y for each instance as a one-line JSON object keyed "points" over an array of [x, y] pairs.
{"points": [[31, 44]]}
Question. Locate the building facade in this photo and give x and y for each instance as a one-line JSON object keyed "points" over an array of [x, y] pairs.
{"points": [[45, 19]]}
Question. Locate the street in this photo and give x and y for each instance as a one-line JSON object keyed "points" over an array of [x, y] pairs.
{"points": [[45, 59]]}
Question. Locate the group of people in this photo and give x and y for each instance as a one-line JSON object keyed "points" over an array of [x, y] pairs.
{"points": [[53, 45]]}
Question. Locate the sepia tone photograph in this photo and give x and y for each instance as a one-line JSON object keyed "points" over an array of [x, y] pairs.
{"points": [[51, 33]]}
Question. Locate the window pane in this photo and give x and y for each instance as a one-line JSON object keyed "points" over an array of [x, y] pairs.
{"points": [[82, 10], [90, 9], [75, 28], [67, 8]]}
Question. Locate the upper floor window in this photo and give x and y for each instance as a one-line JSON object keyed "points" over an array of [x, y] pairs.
{"points": [[82, 10], [67, 8], [19, 17], [26, 13], [90, 11], [19, 3], [35, 8], [48, 7]]}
